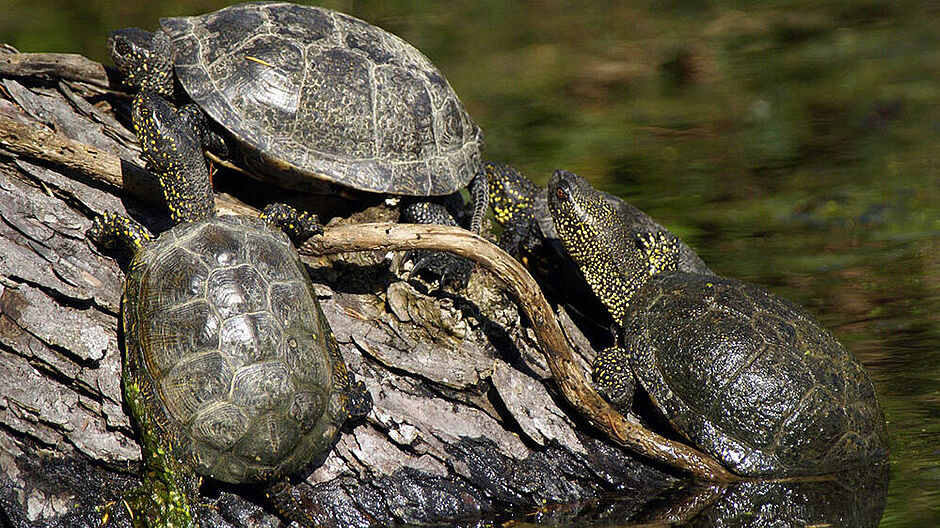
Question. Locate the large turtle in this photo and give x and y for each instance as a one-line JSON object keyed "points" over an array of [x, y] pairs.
{"points": [[231, 370], [306, 95], [741, 373]]}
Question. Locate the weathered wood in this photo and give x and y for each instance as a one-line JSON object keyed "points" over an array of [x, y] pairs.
{"points": [[54, 66]]}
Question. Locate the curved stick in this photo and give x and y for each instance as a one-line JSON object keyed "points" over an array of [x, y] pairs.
{"points": [[38, 142], [558, 353]]}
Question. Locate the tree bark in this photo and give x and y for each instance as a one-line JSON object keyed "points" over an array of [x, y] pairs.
{"points": [[481, 408]]}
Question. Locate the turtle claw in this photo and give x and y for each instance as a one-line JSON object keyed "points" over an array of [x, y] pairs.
{"points": [[360, 401], [449, 268]]}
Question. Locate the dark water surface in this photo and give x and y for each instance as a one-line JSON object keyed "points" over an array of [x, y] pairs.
{"points": [[794, 145]]}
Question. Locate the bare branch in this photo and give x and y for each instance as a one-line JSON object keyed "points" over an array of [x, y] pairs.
{"points": [[557, 351]]}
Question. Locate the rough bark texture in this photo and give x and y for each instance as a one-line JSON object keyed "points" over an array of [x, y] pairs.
{"points": [[467, 423]]}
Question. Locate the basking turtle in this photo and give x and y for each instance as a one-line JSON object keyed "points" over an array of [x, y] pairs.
{"points": [[231, 370], [521, 207], [741, 373], [307, 96]]}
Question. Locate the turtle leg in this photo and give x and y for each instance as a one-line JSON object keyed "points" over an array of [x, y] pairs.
{"points": [[613, 377], [513, 197], [660, 250], [172, 147], [480, 198], [449, 267], [299, 226], [117, 231]]}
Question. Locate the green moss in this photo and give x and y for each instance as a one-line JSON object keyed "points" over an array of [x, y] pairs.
{"points": [[167, 483]]}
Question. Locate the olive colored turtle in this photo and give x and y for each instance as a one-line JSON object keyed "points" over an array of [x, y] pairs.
{"points": [[314, 99], [230, 370], [741, 373]]}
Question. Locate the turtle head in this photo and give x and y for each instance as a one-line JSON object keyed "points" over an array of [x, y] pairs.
{"points": [[144, 57], [173, 152], [597, 238]]}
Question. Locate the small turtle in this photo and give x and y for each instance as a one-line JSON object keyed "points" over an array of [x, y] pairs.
{"points": [[741, 373], [230, 370], [305, 95]]}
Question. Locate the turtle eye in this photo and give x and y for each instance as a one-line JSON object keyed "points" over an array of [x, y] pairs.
{"points": [[560, 193], [122, 47]]}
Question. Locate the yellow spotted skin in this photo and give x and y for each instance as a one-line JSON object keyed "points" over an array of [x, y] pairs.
{"points": [[513, 199], [615, 263], [174, 152], [511, 195], [298, 225]]}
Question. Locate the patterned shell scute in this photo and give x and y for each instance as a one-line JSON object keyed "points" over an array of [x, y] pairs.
{"points": [[326, 95], [225, 337], [751, 378]]}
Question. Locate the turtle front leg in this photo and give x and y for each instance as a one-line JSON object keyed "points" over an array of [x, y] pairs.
{"points": [[297, 225], [118, 232], [660, 250], [613, 378], [513, 197]]}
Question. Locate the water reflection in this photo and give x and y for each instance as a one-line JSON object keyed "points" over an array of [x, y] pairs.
{"points": [[851, 499]]}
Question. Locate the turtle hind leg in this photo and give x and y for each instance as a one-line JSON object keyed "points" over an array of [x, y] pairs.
{"points": [[297, 225], [451, 268], [480, 198]]}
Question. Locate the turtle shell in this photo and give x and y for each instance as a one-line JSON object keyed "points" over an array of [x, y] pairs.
{"points": [[231, 351], [751, 378], [312, 93]]}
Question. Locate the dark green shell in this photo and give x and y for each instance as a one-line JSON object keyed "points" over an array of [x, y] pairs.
{"points": [[228, 344], [312, 93], [751, 378]]}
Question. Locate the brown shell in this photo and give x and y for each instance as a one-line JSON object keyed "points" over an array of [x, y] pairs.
{"points": [[231, 350], [312, 93]]}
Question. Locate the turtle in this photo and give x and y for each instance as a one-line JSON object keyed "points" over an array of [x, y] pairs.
{"points": [[741, 373], [230, 370], [521, 208], [314, 99]]}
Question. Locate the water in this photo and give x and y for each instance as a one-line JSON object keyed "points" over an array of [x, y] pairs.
{"points": [[794, 145]]}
